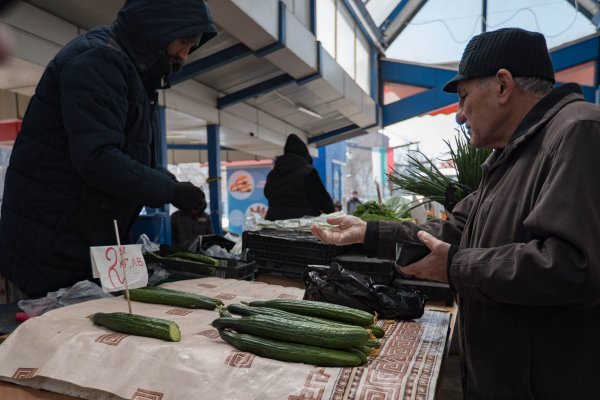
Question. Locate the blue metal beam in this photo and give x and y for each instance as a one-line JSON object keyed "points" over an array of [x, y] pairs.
{"points": [[313, 16], [345, 129], [211, 62], [254, 90], [270, 84], [576, 54], [174, 146], [393, 15], [367, 16], [582, 10], [214, 177], [390, 35], [418, 104], [374, 75], [411, 74], [333, 133], [484, 15]]}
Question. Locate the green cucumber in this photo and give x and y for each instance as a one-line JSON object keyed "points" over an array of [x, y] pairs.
{"points": [[373, 343], [359, 353], [290, 352], [171, 298], [189, 256], [139, 325], [224, 312], [377, 331], [242, 309], [218, 302], [303, 332], [319, 309], [369, 351]]}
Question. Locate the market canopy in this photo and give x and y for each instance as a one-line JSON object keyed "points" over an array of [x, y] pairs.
{"points": [[424, 41]]}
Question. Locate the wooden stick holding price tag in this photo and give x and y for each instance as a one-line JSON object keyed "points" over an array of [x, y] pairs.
{"points": [[122, 266]]}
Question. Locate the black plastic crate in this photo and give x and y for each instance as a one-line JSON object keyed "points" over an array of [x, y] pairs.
{"points": [[381, 271], [282, 268], [184, 269], [277, 245]]}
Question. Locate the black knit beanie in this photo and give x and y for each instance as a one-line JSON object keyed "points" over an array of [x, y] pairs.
{"points": [[295, 145], [521, 52]]}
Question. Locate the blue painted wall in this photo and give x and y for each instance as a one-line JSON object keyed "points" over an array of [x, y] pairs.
{"points": [[328, 165]]}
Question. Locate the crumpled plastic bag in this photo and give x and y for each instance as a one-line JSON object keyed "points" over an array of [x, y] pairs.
{"points": [[217, 251], [78, 293], [255, 222], [148, 246], [336, 285]]}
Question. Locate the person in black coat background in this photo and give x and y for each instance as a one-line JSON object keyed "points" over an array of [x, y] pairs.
{"points": [[294, 188], [86, 154], [187, 226]]}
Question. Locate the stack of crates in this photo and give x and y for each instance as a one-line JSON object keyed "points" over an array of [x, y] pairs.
{"points": [[288, 253]]}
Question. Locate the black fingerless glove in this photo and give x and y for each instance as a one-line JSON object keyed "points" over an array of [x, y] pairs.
{"points": [[188, 197]]}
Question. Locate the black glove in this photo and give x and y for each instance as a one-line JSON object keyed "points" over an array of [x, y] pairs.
{"points": [[188, 197]]}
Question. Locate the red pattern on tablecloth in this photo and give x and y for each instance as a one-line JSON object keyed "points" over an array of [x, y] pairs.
{"points": [[111, 339], [239, 359], [142, 394]]}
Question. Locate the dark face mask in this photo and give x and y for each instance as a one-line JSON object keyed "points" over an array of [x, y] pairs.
{"points": [[156, 76], [176, 66]]}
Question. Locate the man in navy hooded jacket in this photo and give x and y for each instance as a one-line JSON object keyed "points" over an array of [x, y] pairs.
{"points": [[86, 154]]}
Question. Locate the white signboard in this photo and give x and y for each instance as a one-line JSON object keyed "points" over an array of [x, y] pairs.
{"points": [[111, 263]]}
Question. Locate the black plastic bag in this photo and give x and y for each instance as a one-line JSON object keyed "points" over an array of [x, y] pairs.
{"points": [[336, 285]]}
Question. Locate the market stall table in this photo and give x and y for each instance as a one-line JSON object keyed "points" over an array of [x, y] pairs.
{"points": [[64, 352]]}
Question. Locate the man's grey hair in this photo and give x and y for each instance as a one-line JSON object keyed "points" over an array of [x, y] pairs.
{"points": [[538, 87]]}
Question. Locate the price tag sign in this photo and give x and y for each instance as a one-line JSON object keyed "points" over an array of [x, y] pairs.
{"points": [[110, 263]]}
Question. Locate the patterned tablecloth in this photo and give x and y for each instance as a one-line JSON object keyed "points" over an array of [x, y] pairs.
{"points": [[64, 352]]}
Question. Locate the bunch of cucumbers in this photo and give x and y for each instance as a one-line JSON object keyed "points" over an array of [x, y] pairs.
{"points": [[304, 331]]}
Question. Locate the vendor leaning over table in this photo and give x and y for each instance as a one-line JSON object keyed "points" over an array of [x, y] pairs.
{"points": [[87, 152], [522, 252]]}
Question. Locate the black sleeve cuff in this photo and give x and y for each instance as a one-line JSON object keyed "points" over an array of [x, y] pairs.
{"points": [[371, 238], [451, 252]]}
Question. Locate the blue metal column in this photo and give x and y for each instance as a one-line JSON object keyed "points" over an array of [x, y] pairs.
{"points": [[484, 16], [214, 176], [597, 76], [163, 160]]}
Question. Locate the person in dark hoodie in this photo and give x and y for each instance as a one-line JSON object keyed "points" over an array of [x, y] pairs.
{"points": [[294, 188], [86, 154]]}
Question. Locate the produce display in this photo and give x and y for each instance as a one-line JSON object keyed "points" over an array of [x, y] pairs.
{"points": [[139, 325], [171, 297], [304, 331], [297, 331]]}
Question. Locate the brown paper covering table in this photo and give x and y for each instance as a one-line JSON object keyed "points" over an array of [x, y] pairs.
{"points": [[63, 352]]}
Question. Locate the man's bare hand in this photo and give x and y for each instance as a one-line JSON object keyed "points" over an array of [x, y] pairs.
{"points": [[434, 266], [348, 230]]}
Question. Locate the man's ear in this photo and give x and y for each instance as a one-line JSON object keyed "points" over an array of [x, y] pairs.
{"points": [[506, 85]]}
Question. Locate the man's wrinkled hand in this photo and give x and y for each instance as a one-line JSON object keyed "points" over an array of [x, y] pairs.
{"points": [[347, 230]]}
